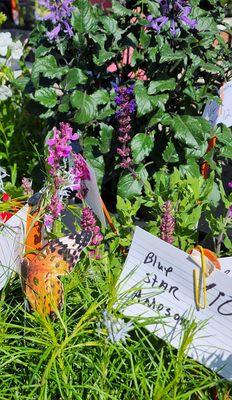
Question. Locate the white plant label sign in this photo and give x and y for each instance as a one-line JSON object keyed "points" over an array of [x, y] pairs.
{"points": [[220, 113], [12, 236], [157, 280]]}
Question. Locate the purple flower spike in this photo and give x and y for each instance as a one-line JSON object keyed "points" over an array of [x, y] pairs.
{"points": [[126, 107], [89, 223], [167, 226], [175, 12], [60, 12]]}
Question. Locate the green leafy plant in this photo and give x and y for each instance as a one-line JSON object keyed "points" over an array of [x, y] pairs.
{"points": [[172, 75], [20, 137]]}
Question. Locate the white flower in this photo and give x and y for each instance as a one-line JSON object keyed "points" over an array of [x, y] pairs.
{"points": [[5, 92], [117, 328], [5, 42], [16, 50]]}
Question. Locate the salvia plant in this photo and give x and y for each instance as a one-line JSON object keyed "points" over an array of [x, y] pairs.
{"points": [[134, 79]]}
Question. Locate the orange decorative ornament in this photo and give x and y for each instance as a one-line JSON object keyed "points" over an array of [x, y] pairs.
{"points": [[40, 274]]}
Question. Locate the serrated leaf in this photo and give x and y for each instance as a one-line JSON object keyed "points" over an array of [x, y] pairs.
{"points": [[168, 55], [106, 132], [129, 187], [161, 86], [85, 105], [153, 51], [47, 66], [226, 152], [193, 133], [212, 68], [119, 9], [170, 155], [109, 24], [142, 99], [47, 115], [74, 77], [41, 51], [141, 146], [159, 100], [225, 136], [145, 39], [46, 96], [103, 56], [64, 105], [153, 8], [83, 19], [101, 96]]}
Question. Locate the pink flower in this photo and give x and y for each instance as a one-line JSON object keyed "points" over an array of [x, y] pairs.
{"points": [[81, 173], [88, 223], [167, 226], [48, 221], [27, 186]]}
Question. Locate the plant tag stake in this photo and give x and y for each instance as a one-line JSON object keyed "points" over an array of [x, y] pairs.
{"points": [[157, 280], [220, 113], [12, 234], [93, 198]]}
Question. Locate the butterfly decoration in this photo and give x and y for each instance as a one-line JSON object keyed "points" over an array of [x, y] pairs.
{"points": [[40, 274]]}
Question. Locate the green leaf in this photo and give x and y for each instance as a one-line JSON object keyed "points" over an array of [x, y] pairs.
{"points": [[168, 55], [74, 77], [226, 152], [207, 24], [101, 96], [83, 19], [193, 133], [109, 24], [41, 51], [46, 96], [129, 187], [103, 56], [119, 10], [141, 146], [47, 66], [170, 155], [153, 8], [106, 132], [152, 53], [212, 68], [142, 99], [64, 105], [161, 86], [145, 39], [224, 135], [85, 105], [159, 100], [105, 112]]}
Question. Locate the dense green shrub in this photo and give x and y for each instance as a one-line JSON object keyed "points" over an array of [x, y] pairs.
{"points": [[71, 81]]}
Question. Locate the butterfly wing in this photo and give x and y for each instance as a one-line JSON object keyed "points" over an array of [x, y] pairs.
{"points": [[41, 285], [64, 253], [43, 290]]}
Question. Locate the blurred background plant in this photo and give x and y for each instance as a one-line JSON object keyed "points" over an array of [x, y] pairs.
{"points": [[20, 132]]}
